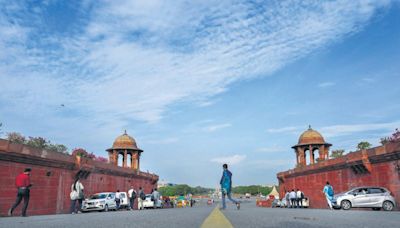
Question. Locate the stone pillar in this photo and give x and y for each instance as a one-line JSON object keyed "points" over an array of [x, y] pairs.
{"points": [[138, 161], [125, 158], [111, 157], [115, 154], [322, 152], [131, 161], [302, 156], [310, 148], [297, 156]]}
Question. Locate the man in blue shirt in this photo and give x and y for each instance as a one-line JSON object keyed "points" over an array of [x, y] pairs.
{"points": [[328, 191], [226, 187]]}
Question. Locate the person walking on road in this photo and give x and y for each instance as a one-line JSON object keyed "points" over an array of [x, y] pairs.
{"points": [[287, 197], [226, 187], [23, 183], [293, 200], [328, 191], [299, 197], [155, 195], [132, 197], [76, 195], [141, 198], [118, 199]]}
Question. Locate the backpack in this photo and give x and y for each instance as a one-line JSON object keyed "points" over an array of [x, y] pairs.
{"points": [[330, 191], [133, 195], [302, 195], [142, 195]]}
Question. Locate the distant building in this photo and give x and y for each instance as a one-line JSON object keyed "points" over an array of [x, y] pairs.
{"points": [[164, 183]]}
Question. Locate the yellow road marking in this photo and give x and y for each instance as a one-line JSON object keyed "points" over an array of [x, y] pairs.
{"points": [[216, 220]]}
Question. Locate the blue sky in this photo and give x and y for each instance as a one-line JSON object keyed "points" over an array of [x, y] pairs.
{"points": [[200, 83]]}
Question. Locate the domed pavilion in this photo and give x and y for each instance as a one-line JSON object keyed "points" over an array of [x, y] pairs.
{"points": [[126, 146], [310, 142]]}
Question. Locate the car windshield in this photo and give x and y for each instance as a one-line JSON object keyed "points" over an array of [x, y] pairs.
{"points": [[98, 196]]}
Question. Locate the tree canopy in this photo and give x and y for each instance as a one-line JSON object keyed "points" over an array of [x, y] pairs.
{"points": [[183, 189], [337, 153], [364, 145]]}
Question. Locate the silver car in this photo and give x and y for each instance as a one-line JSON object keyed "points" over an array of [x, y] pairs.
{"points": [[100, 202], [366, 197]]}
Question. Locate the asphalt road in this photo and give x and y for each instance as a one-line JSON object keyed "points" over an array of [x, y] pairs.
{"points": [[248, 216]]}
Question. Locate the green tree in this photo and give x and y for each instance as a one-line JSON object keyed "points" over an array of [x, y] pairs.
{"points": [[364, 145], [37, 142], [57, 148], [337, 153], [16, 137], [1, 124]]}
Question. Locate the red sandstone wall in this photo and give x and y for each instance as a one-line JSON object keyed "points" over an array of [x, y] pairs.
{"points": [[50, 194], [384, 174]]}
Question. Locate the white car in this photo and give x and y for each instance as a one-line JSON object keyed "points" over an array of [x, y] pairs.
{"points": [[103, 201], [124, 201], [148, 203], [367, 197]]}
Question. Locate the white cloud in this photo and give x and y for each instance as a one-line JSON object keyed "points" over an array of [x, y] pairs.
{"points": [[162, 141], [272, 149], [291, 129], [216, 127], [340, 130], [131, 60], [326, 84], [230, 160]]}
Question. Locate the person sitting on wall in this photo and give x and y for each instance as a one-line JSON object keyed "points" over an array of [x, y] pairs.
{"points": [[23, 184]]}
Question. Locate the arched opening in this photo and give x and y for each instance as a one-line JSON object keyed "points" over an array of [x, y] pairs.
{"points": [[129, 160], [316, 155], [307, 161], [120, 159]]}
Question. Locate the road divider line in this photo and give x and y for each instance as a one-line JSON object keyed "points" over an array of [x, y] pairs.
{"points": [[216, 219]]}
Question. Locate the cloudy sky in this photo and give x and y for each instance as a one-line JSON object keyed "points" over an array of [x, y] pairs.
{"points": [[199, 83]]}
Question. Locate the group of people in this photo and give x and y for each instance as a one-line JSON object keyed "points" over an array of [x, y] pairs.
{"points": [[294, 199], [77, 196]]}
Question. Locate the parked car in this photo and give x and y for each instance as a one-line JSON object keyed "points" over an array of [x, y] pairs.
{"points": [[148, 203], [124, 201], [103, 201], [366, 197]]}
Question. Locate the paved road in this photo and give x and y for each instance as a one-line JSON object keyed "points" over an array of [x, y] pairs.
{"points": [[248, 216]]}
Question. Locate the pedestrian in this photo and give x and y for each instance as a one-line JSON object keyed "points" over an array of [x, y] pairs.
{"points": [[23, 184], [328, 191], [132, 197], [300, 197], [155, 195], [118, 199], [292, 197], [287, 197], [226, 187], [76, 195], [141, 198]]}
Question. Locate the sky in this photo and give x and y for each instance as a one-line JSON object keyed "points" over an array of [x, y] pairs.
{"points": [[200, 83]]}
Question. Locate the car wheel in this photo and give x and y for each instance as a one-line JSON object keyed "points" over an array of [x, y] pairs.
{"points": [[106, 208], [376, 208], [387, 206], [345, 204]]}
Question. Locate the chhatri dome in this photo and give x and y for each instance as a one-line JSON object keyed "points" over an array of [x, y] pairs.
{"points": [[125, 142], [311, 142], [125, 146], [311, 137]]}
